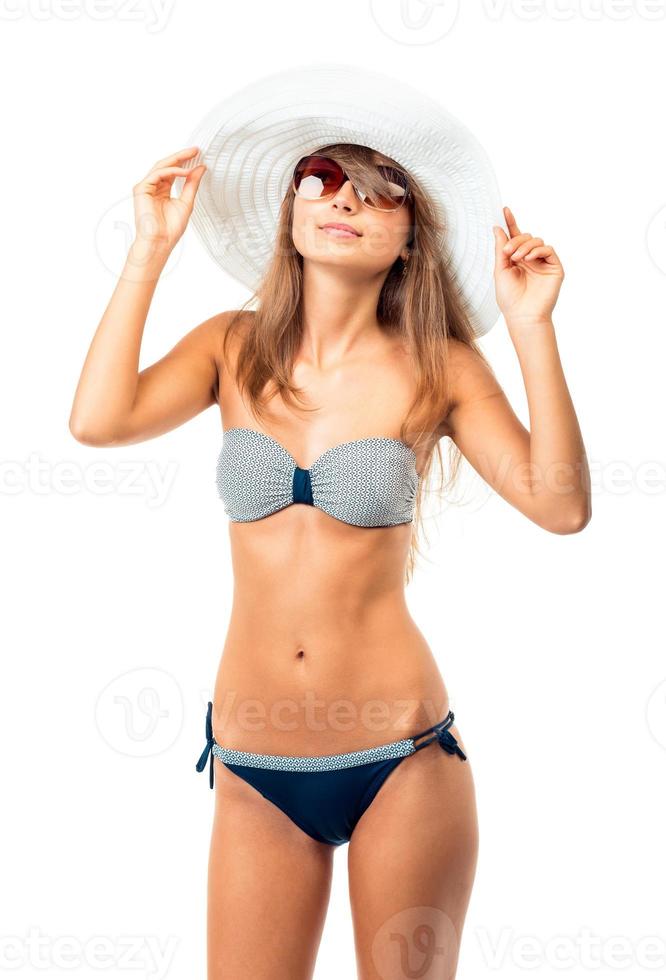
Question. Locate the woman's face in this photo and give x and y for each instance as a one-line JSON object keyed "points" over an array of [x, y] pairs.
{"points": [[381, 236]]}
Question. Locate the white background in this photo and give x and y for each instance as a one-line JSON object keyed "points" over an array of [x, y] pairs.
{"points": [[551, 646]]}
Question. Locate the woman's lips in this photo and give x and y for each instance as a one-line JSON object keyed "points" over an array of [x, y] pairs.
{"points": [[338, 232]]}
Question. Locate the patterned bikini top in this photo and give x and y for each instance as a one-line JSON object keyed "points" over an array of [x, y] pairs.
{"points": [[369, 482]]}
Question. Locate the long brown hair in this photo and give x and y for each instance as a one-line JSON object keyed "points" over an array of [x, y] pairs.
{"points": [[423, 307]]}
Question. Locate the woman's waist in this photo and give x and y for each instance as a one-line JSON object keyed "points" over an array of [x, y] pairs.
{"points": [[295, 607], [326, 696], [345, 573]]}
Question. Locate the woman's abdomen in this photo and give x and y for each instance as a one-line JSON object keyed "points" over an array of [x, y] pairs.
{"points": [[321, 653], [304, 673]]}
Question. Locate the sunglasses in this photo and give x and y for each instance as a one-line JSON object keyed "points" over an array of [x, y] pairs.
{"points": [[316, 178]]}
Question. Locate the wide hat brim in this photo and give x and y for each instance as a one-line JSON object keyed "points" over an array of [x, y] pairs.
{"points": [[252, 140]]}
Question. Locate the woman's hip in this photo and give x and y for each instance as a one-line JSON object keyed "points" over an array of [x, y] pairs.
{"points": [[326, 700]]}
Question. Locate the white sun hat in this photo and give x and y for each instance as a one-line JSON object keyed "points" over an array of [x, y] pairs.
{"points": [[252, 140]]}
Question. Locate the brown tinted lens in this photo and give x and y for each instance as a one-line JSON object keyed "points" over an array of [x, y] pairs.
{"points": [[315, 177], [394, 192]]}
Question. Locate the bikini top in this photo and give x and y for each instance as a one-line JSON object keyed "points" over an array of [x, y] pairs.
{"points": [[369, 482]]}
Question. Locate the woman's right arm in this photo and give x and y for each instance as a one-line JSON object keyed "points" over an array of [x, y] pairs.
{"points": [[114, 403]]}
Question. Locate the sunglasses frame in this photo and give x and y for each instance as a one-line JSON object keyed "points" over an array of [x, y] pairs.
{"points": [[325, 197]]}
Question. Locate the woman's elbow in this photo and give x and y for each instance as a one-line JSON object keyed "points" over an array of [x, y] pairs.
{"points": [[87, 435], [569, 522]]}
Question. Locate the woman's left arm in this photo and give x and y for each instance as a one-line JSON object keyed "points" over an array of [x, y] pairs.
{"points": [[543, 472]]}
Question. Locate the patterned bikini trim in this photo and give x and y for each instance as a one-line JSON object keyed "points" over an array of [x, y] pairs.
{"points": [[322, 763], [315, 763]]}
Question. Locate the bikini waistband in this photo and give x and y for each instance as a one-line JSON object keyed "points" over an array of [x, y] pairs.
{"points": [[318, 763]]}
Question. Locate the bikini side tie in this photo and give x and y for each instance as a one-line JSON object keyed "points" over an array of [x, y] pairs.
{"points": [[210, 741], [447, 741]]}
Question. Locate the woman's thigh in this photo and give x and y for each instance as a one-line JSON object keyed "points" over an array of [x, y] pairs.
{"points": [[412, 860], [268, 888]]}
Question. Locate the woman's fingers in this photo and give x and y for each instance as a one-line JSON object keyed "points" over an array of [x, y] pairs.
{"points": [[176, 157], [501, 258], [515, 241], [519, 247], [155, 176], [191, 185], [537, 253], [511, 223], [546, 252]]}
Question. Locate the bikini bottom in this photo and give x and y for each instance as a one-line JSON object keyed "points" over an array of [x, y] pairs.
{"points": [[324, 795]]}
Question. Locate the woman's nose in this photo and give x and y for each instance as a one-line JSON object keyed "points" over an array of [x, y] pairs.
{"points": [[345, 195]]}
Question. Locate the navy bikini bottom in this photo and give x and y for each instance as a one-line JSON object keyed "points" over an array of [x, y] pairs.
{"points": [[324, 795]]}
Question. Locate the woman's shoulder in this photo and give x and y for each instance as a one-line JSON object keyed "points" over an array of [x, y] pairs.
{"points": [[240, 320], [227, 330], [233, 324], [470, 374]]}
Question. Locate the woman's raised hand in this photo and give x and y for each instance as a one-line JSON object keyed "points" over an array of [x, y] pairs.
{"points": [[528, 274], [162, 219]]}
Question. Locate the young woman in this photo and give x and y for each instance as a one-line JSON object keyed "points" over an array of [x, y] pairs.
{"points": [[331, 720]]}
